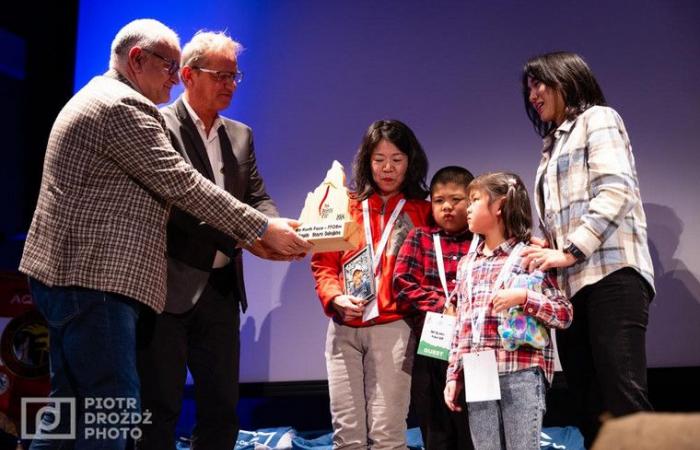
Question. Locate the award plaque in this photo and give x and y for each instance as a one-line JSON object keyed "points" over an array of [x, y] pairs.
{"points": [[357, 273], [325, 220]]}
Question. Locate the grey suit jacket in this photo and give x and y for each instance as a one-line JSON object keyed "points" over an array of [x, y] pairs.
{"points": [[110, 177], [192, 244]]}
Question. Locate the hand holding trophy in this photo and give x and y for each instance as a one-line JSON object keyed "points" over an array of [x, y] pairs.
{"points": [[325, 221], [280, 240]]}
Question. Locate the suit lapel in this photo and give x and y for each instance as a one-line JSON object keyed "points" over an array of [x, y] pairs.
{"points": [[196, 152], [229, 159]]}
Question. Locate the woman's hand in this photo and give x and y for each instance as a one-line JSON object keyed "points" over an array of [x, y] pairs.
{"points": [[535, 258], [539, 242], [348, 307], [451, 393], [506, 298]]}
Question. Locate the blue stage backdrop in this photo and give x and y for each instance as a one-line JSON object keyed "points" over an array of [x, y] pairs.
{"points": [[317, 73]]}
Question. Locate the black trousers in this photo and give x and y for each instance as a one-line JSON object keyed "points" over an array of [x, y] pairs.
{"points": [[207, 340], [441, 428], [603, 353]]}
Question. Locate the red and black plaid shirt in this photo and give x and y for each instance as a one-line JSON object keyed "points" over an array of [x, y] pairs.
{"points": [[550, 307], [416, 276]]}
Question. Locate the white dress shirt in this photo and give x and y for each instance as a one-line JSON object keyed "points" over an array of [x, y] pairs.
{"points": [[213, 147]]}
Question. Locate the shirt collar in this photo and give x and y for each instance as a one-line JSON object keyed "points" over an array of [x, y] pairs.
{"points": [[375, 201], [197, 121], [564, 128], [462, 235], [116, 75], [504, 249]]}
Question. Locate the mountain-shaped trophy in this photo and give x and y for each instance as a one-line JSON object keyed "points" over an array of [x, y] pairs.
{"points": [[325, 219]]}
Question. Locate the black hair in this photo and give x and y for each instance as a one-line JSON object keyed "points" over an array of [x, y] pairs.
{"points": [[567, 73], [515, 211], [451, 174], [402, 137]]}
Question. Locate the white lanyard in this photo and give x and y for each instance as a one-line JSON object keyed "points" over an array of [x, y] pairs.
{"points": [[478, 322], [441, 269], [376, 254]]}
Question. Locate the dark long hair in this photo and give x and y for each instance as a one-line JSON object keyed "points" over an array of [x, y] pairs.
{"points": [[515, 211], [399, 134], [567, 73]]}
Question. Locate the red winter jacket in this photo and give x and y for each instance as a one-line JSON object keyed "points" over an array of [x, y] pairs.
{"points": [[327, 267]]}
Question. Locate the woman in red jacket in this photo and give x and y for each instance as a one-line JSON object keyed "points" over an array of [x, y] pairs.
{"points": [[369, 345]]}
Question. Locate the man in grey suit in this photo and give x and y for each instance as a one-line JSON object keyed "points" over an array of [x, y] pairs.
{"points": [[95, 251], [200, 326]]}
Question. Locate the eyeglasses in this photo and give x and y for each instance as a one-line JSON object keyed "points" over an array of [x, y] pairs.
{"points": [[220, 76], [173, 65]]}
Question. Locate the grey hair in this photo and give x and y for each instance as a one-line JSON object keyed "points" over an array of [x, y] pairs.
{"points": [[204, 43], [142, 32]]}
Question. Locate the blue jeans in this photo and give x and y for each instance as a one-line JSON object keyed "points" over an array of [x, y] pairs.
{"points": [[92, 349], [515, 421]]}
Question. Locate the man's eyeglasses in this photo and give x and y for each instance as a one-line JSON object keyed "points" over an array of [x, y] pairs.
{"points": [[173, 65], [220, 76]]}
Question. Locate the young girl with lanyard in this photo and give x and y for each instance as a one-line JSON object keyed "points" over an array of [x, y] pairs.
{"points": [[369, 344], [504, 384]]}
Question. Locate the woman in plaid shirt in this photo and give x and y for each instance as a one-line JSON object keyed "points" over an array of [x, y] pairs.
{"points": [[499, 212], [590, 209]]}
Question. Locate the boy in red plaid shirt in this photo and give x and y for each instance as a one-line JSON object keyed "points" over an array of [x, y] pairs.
{"points": [[417, 285]]}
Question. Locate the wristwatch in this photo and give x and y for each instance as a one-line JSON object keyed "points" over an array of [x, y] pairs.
{"points": [[575, 252]]}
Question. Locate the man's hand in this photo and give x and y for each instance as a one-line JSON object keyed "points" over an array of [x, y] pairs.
{"points": [[348, 307], [262, 251], [280, 238], [451, 394]]}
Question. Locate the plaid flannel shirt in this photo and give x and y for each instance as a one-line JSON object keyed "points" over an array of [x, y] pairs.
{"points": [[550, 307], [588, 194], [416, 276]]}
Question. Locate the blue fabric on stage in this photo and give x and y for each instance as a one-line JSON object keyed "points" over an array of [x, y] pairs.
{"points": [[286, 438], [569, 438]]}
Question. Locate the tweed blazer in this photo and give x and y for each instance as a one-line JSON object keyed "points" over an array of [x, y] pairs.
{"points": [[191, 243], [110, 177]]}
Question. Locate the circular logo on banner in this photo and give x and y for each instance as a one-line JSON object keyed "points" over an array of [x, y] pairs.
{"points": [[24, 345]]}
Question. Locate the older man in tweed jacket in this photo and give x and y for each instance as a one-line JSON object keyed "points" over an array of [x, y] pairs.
{"points": [[95, 251]]}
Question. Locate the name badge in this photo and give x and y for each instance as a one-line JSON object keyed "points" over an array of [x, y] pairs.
{"points": [[436, 338], [481, 376]]}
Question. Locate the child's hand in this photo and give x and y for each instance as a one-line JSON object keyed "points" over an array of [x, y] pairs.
{"points": [[451, 393], [348, 307], [506, 298]]}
